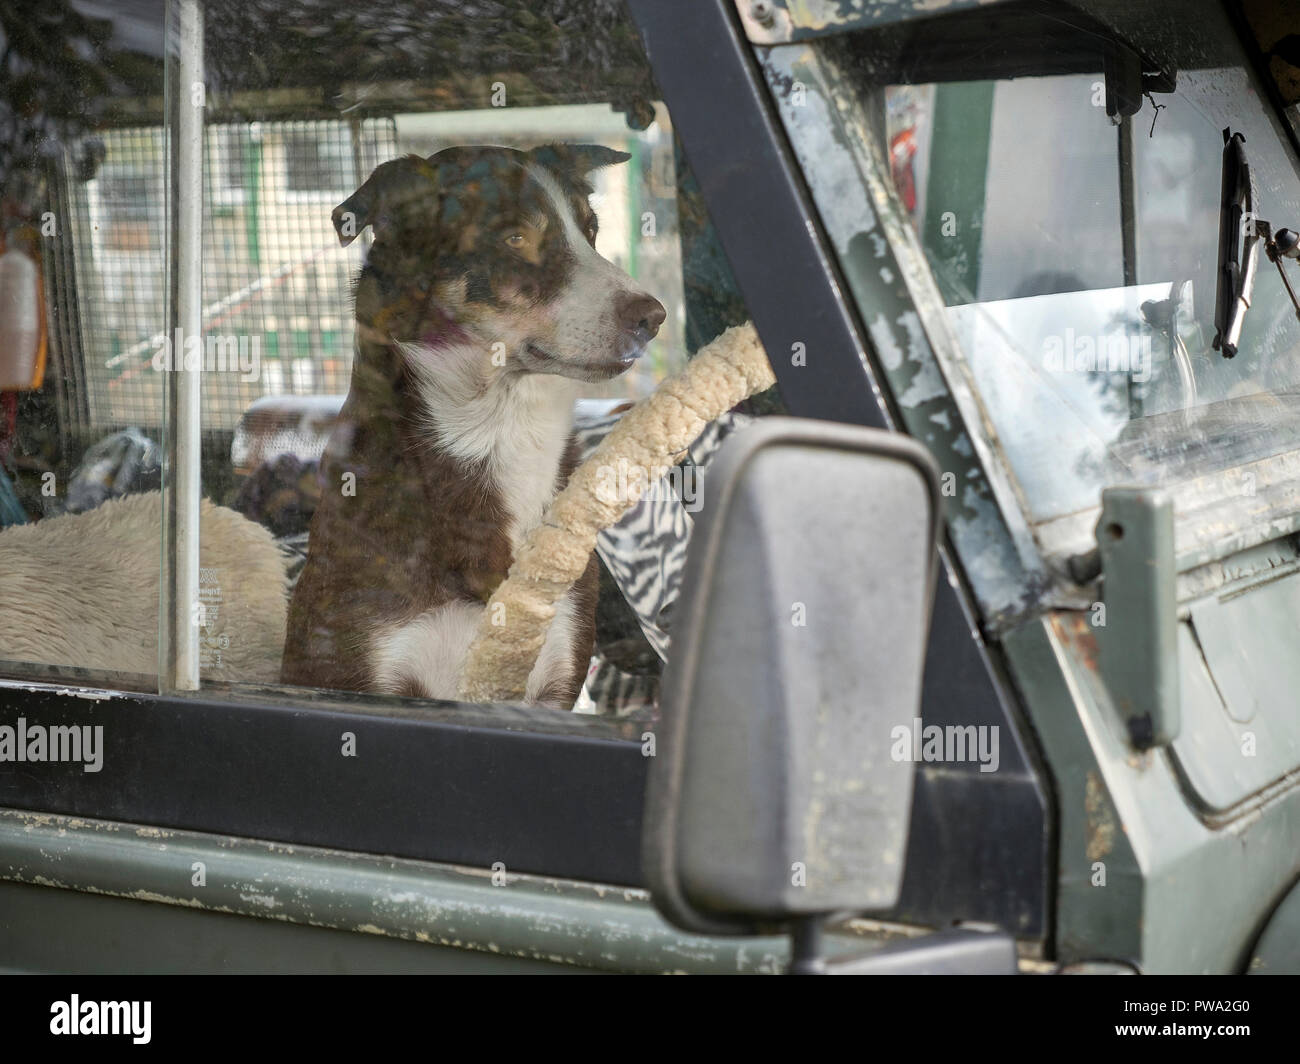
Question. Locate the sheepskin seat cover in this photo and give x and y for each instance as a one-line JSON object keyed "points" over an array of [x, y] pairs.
{"points": [[82, 589]]}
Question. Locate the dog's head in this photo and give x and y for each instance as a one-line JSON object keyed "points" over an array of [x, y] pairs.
{"points": [[498, 247]]}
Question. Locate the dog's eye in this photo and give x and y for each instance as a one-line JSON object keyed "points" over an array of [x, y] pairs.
{"points": [[591, 232], [515, 240]]}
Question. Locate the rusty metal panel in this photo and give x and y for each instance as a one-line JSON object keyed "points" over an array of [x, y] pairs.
{"points": [[1140, 864]]}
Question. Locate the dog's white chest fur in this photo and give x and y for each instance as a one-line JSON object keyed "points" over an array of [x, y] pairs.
{"points": [[510, 431], [432, 649], [513, 434]]}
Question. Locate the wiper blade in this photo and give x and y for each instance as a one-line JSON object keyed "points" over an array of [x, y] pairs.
{"points": [[1239, 232]]}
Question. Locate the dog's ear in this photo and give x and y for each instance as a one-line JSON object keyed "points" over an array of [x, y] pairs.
{"points": [[588, 157], [579, 159], [393, 188]]}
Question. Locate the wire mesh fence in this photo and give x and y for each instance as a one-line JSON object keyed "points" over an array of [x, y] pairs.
{"points": [[276, 283]]}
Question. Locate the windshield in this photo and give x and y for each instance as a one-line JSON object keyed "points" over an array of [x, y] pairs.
{"points": [[1075, 245]]}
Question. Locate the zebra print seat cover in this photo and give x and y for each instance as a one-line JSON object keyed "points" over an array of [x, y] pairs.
{"points": [[645, 554]]}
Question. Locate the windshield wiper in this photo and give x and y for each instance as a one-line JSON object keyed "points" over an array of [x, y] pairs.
{"points": [[1240, 231]]}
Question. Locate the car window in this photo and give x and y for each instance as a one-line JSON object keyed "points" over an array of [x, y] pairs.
{"points": [[1075, 246], [444, 249], [81, 268]]}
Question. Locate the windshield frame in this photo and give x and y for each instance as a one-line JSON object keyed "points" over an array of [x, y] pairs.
{"points": [[830, 121]]}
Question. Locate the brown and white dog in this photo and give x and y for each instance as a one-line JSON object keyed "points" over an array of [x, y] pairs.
{"points": [[481, 309]]}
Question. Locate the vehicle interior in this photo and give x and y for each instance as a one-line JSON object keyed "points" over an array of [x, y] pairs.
{"points": [[294, 121], [1002, 617]]}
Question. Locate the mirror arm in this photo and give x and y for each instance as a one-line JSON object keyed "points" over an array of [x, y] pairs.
{"points": [[1284, 244], [967, 949], [806, 945]]}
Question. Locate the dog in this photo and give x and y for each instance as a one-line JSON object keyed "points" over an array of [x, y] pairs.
{"points": [[482, 309]]}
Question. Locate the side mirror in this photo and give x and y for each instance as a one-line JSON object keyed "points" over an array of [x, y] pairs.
{"points": [[797, 657]]}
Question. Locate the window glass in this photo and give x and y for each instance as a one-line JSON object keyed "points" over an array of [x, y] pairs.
{"points": [[496, 194], [1076, 250], [82, 293]]}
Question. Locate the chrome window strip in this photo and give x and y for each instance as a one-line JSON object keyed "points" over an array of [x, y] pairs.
{"points": [[179, 610]]}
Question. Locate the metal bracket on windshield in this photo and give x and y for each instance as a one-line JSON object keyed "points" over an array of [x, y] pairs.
{"points": [[1138, 642]]}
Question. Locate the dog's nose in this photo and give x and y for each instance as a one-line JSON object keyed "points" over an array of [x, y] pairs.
{"points": [[640, 315]]}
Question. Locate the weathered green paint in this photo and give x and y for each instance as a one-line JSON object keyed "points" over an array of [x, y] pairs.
{"points": [[1240, 672], [835, 128], [1278, 950], [1148, 873], [452, 909], [1143, 875], [954, 216], [914, 355], [44, 931]]}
